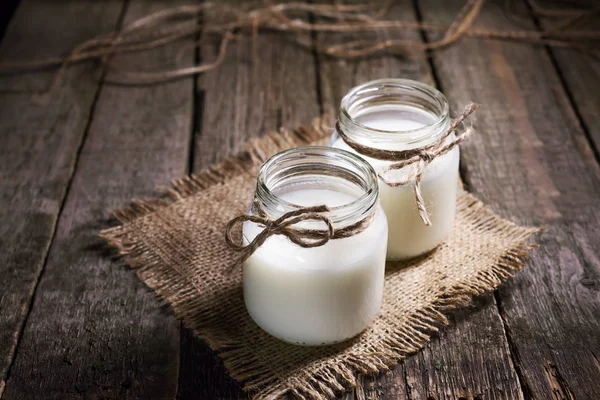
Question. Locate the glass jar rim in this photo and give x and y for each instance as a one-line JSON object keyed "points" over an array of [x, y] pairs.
{"points": [[408, 136], [363, 204]]}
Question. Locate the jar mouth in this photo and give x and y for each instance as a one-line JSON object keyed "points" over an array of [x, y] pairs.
{"points": [[398, 92], [322, 167]]}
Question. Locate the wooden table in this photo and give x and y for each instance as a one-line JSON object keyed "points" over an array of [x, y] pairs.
{"points": [[74, 324]]}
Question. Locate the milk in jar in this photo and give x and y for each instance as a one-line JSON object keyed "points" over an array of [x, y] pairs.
{"points": [[398, 114], [319, 295]]}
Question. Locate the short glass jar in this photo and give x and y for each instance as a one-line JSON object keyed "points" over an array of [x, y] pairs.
{"points": [[401, 114], [326, 294]]}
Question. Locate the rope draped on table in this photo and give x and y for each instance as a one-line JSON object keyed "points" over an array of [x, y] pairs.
{"points": [[296, 19]]}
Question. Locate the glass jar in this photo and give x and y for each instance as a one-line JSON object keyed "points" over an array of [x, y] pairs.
{"points": [[318, 295], [400, 114]]}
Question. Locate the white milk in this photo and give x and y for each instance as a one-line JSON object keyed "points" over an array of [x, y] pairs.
{"points": [[319, 295], [408, 235]]}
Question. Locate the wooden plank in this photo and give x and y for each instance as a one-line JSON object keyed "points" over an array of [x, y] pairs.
{"points": [[242, 99], [581, 74], [247, 96], [39, 145], [95, 331], [532, 162], [470, 357], [388, 385]]}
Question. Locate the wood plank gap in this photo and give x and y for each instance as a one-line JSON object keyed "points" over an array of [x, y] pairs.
{"points": [[316, 63], [196, 126], [514, 352], [408, 390], [428, 52], [39, 276], [197, 101], [565, 86]]}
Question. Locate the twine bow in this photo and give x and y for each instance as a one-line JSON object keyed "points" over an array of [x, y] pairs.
{"points": [[282, 226], [420, 157]]}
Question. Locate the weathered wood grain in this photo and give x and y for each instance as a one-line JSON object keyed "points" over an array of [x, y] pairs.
{"points": [[389, 385], [532, 162], [95, 331], [244, 98], [471, 356], [248, 96], [580, 72], [38, 146], [338, 76], [470, 359]]}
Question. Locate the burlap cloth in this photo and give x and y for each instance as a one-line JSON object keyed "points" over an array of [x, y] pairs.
{"points": [[176, 245]]}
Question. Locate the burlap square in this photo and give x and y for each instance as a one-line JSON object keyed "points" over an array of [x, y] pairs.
{"points": [[176, 245]]}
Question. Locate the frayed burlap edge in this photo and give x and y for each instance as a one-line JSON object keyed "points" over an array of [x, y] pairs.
{"points": [[331, 377]]}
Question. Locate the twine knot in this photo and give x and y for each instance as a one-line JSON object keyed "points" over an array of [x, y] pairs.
{"points": [[427, 156], [282, 226], [420, 157]]}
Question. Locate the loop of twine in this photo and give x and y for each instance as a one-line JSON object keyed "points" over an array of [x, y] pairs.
{"points": [[283, 225], [419, 157]]}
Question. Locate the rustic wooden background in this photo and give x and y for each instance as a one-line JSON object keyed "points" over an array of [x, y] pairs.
{"points": [[75, 325]]}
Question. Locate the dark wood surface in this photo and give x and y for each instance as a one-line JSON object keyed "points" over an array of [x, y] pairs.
{"points": [[533, 163], [76, 325], [39, 150]]}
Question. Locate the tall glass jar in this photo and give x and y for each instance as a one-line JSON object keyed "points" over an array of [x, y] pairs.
{"points": [[326, 294], [400, 114]]}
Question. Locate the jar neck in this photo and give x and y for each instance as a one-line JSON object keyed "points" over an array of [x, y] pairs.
{"points": [[394, 114], [318, 168]]}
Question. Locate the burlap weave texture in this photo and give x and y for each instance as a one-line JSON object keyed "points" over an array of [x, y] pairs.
{"points": [[176, 245]]}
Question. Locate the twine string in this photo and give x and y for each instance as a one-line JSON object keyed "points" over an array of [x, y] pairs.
{"points": [[172, 24], [305, 238], [420, 157], [284, 225]]}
